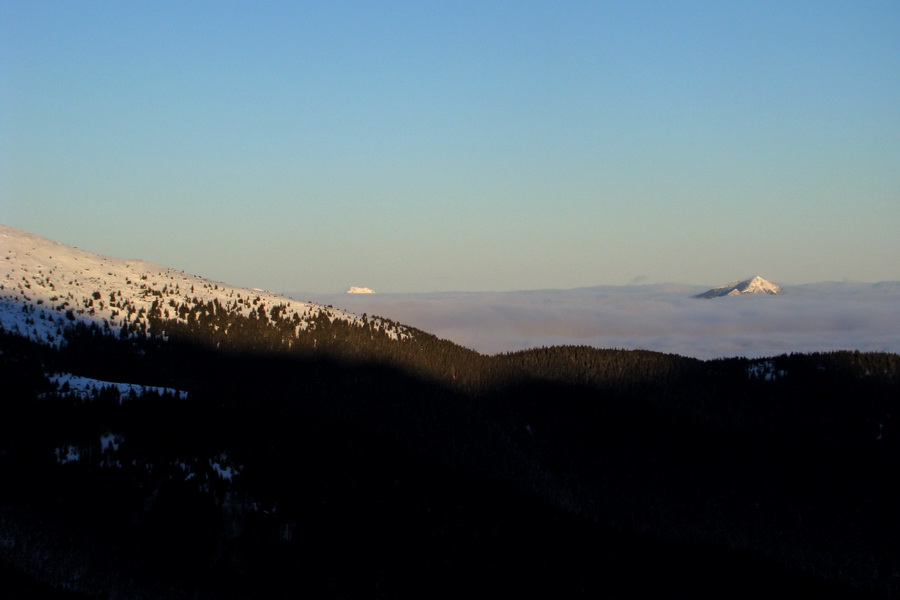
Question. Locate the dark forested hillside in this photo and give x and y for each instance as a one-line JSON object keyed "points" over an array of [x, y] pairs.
{"points": [[233, 454]]}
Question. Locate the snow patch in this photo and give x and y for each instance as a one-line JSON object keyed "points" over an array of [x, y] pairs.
{"points": [[223, 469], [765, 370], [84, 388], [68, 454], [110, 441]]}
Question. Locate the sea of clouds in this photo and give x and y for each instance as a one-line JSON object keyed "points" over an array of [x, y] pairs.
{"points": [[666, 318]]}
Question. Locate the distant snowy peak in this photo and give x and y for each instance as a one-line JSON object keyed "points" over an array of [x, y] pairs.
{"points": [[754, 285], [360, 290]]}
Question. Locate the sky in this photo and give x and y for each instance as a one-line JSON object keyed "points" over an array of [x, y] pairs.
{"points": [[459, 146]]}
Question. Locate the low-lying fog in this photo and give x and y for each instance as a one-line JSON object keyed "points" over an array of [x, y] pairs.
{"points": [[665, 318]]}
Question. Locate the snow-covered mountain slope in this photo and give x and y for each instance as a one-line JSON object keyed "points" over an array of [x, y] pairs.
{"points": [[45, 286], [754, 285]]}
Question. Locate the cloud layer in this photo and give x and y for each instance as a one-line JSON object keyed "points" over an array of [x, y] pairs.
{"points": [[665, 318]]}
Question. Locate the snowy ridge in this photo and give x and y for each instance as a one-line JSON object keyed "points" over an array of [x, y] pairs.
{"points": [[754, 285], [45, 286]]}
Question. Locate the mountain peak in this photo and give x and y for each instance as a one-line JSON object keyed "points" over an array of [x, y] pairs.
{"points": [[753, 285]]}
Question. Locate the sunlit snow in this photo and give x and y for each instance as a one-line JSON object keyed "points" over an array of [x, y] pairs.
{"points": [[44, 286]]}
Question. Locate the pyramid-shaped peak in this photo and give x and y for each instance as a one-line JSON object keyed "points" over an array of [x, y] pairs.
{"points": [[753, 285]]}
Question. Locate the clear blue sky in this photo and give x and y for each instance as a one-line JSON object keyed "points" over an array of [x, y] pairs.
{"points": [[420, 146]]}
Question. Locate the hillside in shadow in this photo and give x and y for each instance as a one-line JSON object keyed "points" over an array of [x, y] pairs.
{"points": [[350, 464]]}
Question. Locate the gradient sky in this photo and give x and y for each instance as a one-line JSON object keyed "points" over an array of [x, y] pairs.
{"points": [[425, 146]]}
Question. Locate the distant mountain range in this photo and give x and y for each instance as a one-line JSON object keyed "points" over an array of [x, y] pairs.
{"points": [[753, 285]]}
